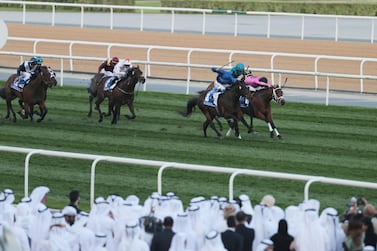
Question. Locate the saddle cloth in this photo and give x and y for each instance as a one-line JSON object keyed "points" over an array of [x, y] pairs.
{"points": [[211, 100]]}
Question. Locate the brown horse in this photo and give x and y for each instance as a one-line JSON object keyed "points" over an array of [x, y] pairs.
{"points": [[228, 107], [96, 89], [260, 107], [124, 93], [34, 93]]}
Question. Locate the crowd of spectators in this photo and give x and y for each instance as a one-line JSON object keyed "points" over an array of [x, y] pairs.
{"points": [[161, 223]]}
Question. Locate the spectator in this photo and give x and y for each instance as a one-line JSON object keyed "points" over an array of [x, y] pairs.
{"points": [[334, 234], [370, 236], [246, 232], [74, 200], [232, 241], [69, 213], [161, 241], [131, 240], [282, 240], [213, 242], [355, 235]]}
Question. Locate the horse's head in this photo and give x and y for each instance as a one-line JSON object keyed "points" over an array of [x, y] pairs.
{"points": [[48, 76], [277, 95], [242, 90], [137, 74]]}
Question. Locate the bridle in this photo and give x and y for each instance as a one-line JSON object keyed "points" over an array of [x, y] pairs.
{"points": [[129, 81], [275, 97]]}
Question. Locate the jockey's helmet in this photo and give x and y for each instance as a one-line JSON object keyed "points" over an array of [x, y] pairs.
{"points": [[39, 60], [33, 60], [240, 67], [115, 60], [127, 62]]}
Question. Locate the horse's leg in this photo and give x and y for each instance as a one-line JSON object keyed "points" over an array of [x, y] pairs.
{"points": [[273, 129], [209, 121], [43, 108], [231, 127], [10, 109], [219, 123], [116, 111], [98, 108], [132, 110], [91, 97], [27, 112]]}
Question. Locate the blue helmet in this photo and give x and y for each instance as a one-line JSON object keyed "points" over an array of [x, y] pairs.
{"points": [[237, 70], [34, 60], [39, 60]]}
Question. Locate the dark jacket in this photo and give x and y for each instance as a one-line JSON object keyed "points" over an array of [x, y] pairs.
{"points": [[161, 240], [248, 235], [232, 241]]}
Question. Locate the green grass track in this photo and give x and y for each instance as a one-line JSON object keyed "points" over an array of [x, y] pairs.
{"points": [[333, 141]]}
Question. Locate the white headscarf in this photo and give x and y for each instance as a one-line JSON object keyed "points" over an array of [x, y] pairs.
{"points": [[247, 207], [213, 242], [131, 238], [37, 195], [334, 234], [310, 233]]}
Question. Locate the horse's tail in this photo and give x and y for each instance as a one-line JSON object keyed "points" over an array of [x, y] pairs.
{"points": [[2, 93], [190, 106]]}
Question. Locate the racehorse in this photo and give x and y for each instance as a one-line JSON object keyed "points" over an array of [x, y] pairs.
{"points": [[260, 107], [96, 89], [33, 93], [124, 93], [228, 106]]}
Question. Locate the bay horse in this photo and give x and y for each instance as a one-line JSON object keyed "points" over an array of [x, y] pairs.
{"points": [[96, 89], [260, 107], [228, 107], [124, 93], [33, 93]]}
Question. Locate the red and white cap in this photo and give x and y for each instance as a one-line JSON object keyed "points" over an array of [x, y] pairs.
{"points": [[127, 61]]}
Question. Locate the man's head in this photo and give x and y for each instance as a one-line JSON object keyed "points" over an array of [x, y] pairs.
{"points": [[33, 61], [168, 222], [69, 214], [74, 196], [127, 62], [115, 60]]}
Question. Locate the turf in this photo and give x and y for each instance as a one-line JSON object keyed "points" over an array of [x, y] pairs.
{"points": [[331, 141]]}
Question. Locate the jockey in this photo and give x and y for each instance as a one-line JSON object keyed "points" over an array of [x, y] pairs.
{"points": [[108, 66], [120, 70], [25, 71], [237, 70], [223, 80], [253, 82]]}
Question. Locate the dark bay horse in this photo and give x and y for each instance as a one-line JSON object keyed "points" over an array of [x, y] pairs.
{"points": [[33, 93], [124, 93], [228, 107], [260, 107], [96, 89]]}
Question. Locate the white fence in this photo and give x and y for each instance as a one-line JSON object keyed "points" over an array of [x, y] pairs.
{"points": [[268, 24], [234, 172], [272, 68]]}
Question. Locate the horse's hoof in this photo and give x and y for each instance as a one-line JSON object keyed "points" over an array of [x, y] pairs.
{"points": [[130, 117], [39, 120], [280, 137]]}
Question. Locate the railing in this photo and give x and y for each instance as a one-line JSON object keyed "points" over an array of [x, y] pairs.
{"points": [[316, 59], [308, 179], [268, 24]]}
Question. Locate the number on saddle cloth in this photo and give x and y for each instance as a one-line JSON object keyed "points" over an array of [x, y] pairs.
{"points": [[212, 97], [111, 83], [19, 83]]}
